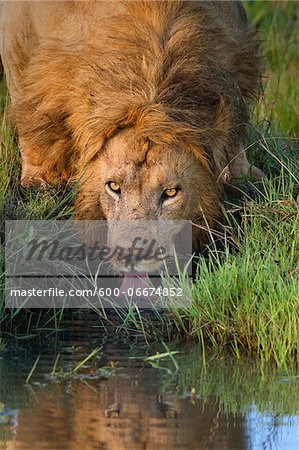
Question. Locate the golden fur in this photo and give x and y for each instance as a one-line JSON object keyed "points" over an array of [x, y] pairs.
{"points": [[178, 75]]}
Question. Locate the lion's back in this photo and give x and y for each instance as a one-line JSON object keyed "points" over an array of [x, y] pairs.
{"points": [[165, 67], [32, 23]]}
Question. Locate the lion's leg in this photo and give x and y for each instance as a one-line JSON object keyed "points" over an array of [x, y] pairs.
{"points": [[239, 167], [33, 173], [38, 170]]}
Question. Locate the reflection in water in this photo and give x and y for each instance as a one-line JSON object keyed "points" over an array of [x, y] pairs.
{"points": [[136, 406], [126, 411], [120, 416]]}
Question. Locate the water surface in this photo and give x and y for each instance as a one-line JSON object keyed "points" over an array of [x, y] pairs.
{"points": [[120, 399]]}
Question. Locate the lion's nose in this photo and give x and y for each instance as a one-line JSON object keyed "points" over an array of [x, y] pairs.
{"points": [[135, 212]]}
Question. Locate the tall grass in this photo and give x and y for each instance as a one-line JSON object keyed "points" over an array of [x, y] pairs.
{"points": [[250, 300], [278, 26]]}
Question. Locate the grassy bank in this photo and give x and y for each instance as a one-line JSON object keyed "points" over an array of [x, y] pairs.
{"points": [[250, 300], [246, 300]]}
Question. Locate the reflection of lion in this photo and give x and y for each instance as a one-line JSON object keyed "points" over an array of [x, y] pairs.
{"points": [[145, 101]]}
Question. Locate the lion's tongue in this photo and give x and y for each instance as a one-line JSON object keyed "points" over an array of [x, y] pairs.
{"points": [[131, 283]]}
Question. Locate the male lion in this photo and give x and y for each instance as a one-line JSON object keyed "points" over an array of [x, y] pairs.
{"points": [[144, 102]]}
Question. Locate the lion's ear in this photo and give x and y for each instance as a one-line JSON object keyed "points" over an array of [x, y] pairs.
{"points": [[92, 151], [93, 146]]}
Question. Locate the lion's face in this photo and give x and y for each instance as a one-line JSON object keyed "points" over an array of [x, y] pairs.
{"points": [[140, 180], [134, 181]]}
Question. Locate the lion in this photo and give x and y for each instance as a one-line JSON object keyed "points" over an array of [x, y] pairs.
{"points": [[144, 104]]}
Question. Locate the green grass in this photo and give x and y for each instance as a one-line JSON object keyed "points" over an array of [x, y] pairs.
{"points": [[278, 26], [250, 300], [246, 301]]}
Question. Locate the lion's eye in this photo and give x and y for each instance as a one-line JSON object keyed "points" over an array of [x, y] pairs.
{"points": [[169, 193], [114, 187]]}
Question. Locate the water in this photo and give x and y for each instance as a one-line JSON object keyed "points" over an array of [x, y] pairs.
{"points": [[118, 399]]}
